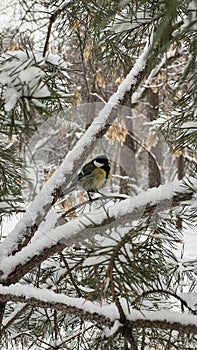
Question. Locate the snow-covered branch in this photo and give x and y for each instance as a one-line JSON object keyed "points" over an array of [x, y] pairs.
{"points": [[141, 89], [49, 299], [38, 209], [105, 314], [49, 242]]}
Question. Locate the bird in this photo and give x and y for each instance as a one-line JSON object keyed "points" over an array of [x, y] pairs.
{"points": [[94, 175]]}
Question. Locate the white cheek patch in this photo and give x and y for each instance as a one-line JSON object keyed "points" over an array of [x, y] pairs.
{"points": [[97, 164]]}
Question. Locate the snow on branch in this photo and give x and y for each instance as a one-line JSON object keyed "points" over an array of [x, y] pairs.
{"points": [[49, 242], [137, 95], [105, 314], [48, 299], [50, 192]]}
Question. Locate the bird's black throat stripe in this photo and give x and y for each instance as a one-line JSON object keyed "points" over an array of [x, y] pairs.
{"points": [[106, 167]]}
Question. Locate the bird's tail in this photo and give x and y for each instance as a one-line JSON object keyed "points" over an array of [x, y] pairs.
{"points": [[72, 187]]}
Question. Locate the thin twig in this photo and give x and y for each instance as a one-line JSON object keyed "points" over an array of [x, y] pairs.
{"points": [[83, 204], [165, 292], [52, 19]]}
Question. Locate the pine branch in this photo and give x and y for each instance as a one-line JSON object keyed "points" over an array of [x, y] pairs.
{"points": [[81, 228], [52, 19], [167, 58], [78, 291], [166, 320], [14, 317], [37, 211], [48, 299], [167, 293], [73, 209]]}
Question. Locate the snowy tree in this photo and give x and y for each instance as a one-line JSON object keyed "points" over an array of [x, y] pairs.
{"points": [[89, 77]]}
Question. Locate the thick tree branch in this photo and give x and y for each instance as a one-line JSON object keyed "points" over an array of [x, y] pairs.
{"points": [[48, 299], [103, 315], [79, 229], [50, 192]]}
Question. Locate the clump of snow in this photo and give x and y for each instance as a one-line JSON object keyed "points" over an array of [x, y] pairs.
{"points": [[109, 332], [191, 299], [22, 75]]}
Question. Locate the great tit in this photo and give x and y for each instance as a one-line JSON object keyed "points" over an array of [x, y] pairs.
{"points": [[93, 176]]}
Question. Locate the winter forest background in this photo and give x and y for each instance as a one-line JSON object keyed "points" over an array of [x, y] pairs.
{"points": [[78, 79]]}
